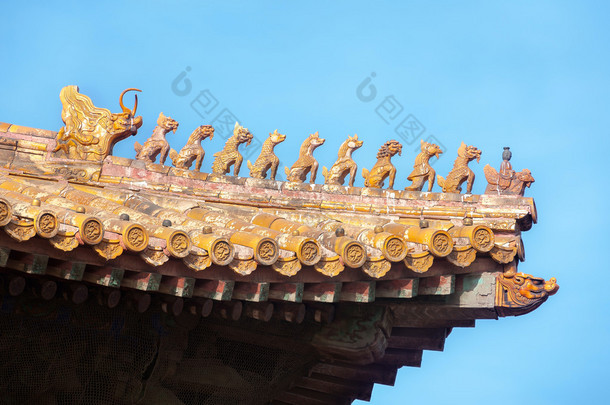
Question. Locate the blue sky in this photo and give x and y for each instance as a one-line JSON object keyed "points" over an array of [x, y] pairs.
{"points": [[534, 77]]}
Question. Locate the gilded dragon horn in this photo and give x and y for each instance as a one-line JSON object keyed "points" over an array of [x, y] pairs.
{"points": [[135, 105]]}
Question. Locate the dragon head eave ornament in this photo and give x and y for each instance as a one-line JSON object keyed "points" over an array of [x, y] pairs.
{"points": [[520, 293], [91, 132]]}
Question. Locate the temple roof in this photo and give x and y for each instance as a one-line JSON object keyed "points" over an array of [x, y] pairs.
{"points": [[162, 212], [423, 262]]}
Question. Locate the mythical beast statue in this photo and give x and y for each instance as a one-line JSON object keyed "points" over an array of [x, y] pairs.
{"points": [[267, 160], [91, 132], [192, 151], [422, 171], [345, 164], [306, 163], [460, 172], [383, 168], [157, 144], [520, 293], [229, 155]]}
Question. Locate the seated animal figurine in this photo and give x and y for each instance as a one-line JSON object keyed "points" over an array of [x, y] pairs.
{"points": [[229, 155], [267, 159], [460, 172], [192, 151], [383, 168], [345, 164], [157, 144], [422, 171], [306, 162]]}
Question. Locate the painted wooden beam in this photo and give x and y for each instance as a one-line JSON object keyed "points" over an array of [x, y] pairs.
{"points": [[28, 263], [255, 292], [178, 286], [358, 291], [401, 357], [292, 292], [433, 323], [218, 290], [141, 281], [4, 255], [376, 373], [322, 292], [418, 338], [337, 386], [303, 396], [105, 276], [66, 270], [438, 285], [405, 288]]}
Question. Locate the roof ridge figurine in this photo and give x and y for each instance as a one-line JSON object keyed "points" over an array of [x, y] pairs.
{"points": [[507, 181], [460, 172], [306, 163], [383, 168], [229, 155], [267, 160], [422, 171], [192, 151], [91, 132], [156, 144], [345, 164]]}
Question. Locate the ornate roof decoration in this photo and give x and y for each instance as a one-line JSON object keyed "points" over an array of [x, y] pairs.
{"points": [[157, 145], [507, 181], [344, 165], [192, 151], [520, 293], [383, 168], [91, 132], [287, 254], [230, 155], [461, 172], [305, 164], [267, 160], [422, 171]]}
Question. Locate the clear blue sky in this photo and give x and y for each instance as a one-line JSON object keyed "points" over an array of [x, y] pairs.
{"points": [[535, 77]]}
